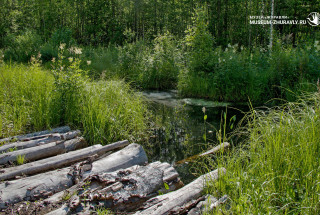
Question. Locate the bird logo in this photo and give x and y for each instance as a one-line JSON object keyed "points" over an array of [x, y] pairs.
{"points": [[314, 19]]}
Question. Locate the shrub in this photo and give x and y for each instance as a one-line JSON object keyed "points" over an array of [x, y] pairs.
{"points": [[159, 67], [21, 47]]}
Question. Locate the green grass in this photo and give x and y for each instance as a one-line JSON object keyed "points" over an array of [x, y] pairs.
{"points": [[20, 159], [276, 169], [33, 99]]}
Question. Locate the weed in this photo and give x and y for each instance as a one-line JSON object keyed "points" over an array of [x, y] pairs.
{"points": [[20, 159]]}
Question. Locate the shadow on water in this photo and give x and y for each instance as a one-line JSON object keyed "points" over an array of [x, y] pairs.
{"points": [[180, 130]]}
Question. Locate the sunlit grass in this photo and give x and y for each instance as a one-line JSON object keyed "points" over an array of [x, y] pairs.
{"points": [[276, 169], [105, 111]]}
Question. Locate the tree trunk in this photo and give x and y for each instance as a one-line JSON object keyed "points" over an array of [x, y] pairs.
{"points": [[177, 202], [58, 161], [30, 136], [43, 151], [122, 190], [221, 148], [46, 184], [41, 141]]}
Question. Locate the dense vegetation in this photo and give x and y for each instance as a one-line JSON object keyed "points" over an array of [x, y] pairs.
{"points": [[276, 169], [32, 98], [202, 48]]}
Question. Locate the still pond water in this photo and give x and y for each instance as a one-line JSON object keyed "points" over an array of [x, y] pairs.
{"points": [[180, 129]]}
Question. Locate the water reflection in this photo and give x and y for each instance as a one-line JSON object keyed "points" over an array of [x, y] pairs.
{"points": [[180, 130]]}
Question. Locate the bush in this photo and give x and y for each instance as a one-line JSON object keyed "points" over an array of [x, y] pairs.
{"points": [[159, 67], [51, 48], [20, 48]]}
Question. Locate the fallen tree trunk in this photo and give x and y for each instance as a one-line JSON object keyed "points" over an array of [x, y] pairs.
{"points": [[177, 202], [207, 205], [43, 151], [220, 148], [37, 142], [122, 190], [58, 161], [46, 184], [40, 134]]}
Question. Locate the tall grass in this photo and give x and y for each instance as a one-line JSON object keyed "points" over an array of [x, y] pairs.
{"points": [[276, 169], [25, 99], [34, 99]]}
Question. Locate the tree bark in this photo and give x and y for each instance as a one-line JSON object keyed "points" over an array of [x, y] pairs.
{"points": [[46, 184], [176, 202], [34, 135], [43, 151], [122, 190], [58, 161], [221, 148], [41, 141]]}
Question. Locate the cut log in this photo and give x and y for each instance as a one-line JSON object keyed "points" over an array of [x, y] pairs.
{"points": [[58, 161], [43, 151], [176, 202], [25, 137], [207, 205], [37, 142], [122, 190], [45, 184], [220, 148]]}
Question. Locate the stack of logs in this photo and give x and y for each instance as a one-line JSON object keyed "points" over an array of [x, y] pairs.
{"points": [[62, 175]]}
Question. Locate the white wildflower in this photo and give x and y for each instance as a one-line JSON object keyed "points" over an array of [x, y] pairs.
{"points": [[89, 62], [62, 46]]}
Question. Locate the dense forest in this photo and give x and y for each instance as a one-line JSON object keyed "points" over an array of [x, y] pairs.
{"points": [[98, 22], [204, 49]]}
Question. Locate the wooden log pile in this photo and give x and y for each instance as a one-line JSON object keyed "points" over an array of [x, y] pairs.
{"points": [[65, 176]]}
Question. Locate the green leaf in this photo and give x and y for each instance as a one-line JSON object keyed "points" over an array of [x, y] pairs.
{"points": [[166, 186], [205, 137], [205, 117]]}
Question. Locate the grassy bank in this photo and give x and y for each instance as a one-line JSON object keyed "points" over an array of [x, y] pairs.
{"points": [[33, 99], [276, 169]]}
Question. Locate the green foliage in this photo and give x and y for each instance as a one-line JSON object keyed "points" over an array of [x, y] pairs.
{"points": [[33, 99], [21, 47], [275, 169], [238, 74], [199, 42], [20, 159], [62, 36], [25, 99], [159, 69], [103, 211], [69, 84]]}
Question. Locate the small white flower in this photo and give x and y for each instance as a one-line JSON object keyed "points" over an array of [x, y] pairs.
{"points": [[89, 62], [62, 46], [70, 59], [53, 60], [77, 50], [204, 109]]}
